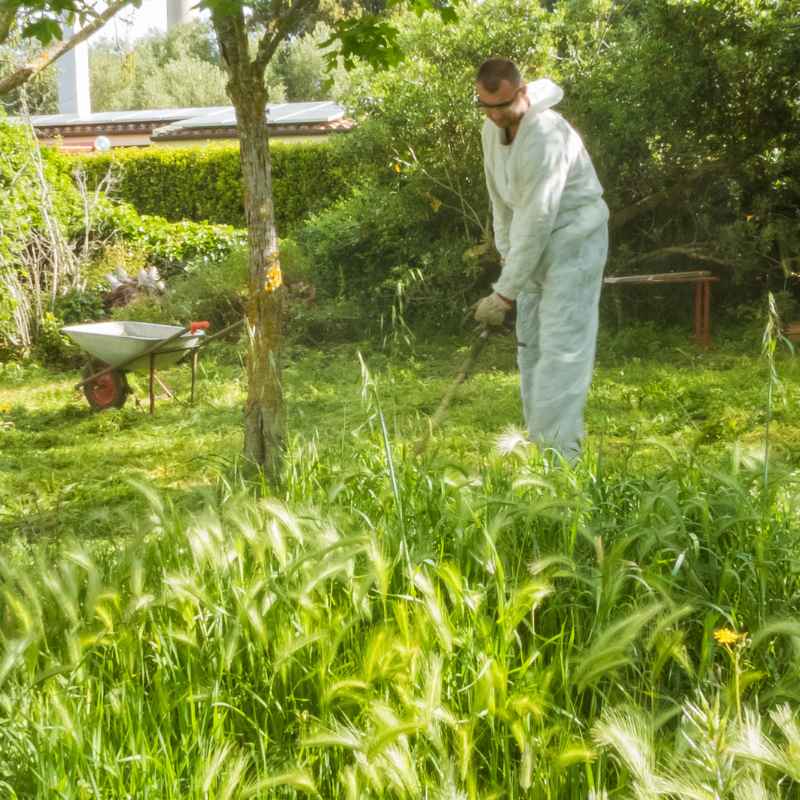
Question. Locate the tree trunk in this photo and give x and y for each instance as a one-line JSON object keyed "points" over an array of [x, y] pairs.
{"points": [[265, 421]]}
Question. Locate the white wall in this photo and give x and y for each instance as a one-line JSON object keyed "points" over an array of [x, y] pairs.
{"points": [[73, 78]]}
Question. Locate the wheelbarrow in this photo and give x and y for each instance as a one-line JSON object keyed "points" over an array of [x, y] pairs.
{"points": [[116, 348]]}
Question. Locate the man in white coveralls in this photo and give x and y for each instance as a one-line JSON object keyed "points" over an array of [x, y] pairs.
{"points": [[551, 229]]}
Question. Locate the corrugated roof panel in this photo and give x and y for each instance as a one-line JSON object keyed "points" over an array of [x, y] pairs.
{"points": [[118, 117], [278, 114], [323, 111]]}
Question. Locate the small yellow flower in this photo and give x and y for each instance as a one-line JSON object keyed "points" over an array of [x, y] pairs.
{"points": [[435, 202], [728, 637], [397, 168], [274, 279], [5, 408]]}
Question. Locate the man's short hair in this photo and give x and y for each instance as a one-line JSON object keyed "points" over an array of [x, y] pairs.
{"points": [[495, 70]]}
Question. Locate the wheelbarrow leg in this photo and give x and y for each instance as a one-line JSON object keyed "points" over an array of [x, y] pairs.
{"points": [[194, 373], [152, 382]]}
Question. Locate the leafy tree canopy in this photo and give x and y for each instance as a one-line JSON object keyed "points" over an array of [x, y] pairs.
{"points": [[182, 68], [42, 19], [41, 90]]}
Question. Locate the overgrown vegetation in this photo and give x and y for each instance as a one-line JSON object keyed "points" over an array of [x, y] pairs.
{"points": [[59, 238], [688, 110], [472, 624]]}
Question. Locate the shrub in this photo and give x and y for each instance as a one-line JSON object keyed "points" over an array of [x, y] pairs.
{"points": [[204, 183], [55, 248], [170, 246], [20, 191], [388, 249], [76, 305], [52, 348], [357, 244], [40, 210], [214, 292]]}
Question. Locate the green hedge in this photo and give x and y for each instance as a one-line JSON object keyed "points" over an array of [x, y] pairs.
{"points": [[203, 183]]}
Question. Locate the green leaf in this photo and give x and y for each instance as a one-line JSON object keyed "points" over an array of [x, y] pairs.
{"points": [[368, 39], [44, 29]]}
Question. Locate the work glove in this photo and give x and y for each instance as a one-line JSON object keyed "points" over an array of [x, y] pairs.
{"points": [[492, 309]]}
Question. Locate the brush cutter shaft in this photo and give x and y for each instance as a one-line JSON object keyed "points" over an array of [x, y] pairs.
{"points": [[469, 364]]}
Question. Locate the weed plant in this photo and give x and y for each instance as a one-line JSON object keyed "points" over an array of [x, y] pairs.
{"points": [[475, 623]]}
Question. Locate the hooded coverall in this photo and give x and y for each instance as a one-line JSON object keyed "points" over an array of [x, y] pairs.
{"points": [[551, 229]]}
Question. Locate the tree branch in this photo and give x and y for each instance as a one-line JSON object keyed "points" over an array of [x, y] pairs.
{"points": [[47, 57], [625, 215], [232, 37], [696, 252], [285, 25]]}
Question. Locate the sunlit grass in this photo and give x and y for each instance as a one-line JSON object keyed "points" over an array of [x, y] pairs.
{"points": [[474, 623], [60, 464]]}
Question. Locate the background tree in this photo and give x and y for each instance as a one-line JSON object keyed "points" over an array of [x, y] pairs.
{"points": [[179, 68], [182, 68], [42, 20], [41, 90], [299, 64]]}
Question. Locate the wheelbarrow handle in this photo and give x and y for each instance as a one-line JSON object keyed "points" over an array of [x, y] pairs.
{"points": [[204, 325], [159, 344]]}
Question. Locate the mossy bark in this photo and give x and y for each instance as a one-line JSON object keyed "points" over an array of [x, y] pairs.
{"points": [[265, 419]]}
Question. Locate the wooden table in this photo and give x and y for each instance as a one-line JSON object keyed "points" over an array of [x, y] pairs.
{"points": [[702, 280]]}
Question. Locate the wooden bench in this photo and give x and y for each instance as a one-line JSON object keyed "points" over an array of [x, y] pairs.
{"points": [[702, 280], [791, 330]]}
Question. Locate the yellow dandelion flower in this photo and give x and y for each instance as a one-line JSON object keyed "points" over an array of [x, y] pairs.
{"points": [[728, 637], [4, 408], [397, 168], [436, 203]]}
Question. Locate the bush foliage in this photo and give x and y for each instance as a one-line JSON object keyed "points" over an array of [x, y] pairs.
{"points": [[204, 183], [166, 245], [20, 202], [687, 108], [56, 243]]}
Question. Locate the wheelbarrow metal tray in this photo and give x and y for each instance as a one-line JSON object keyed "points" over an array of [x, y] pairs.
{"points": [[119, 343]]}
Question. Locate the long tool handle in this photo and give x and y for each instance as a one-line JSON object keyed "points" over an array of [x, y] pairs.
{"points": [[191, 328], [439, 415], [207, 339]]}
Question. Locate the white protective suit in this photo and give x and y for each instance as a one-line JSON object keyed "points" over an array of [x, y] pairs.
{"points": [[551, 229]]}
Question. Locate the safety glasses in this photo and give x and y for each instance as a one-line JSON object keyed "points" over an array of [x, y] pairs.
{"points": [[505, 104]]}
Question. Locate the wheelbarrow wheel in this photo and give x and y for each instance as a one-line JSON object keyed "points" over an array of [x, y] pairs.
{"points": [[110, 390]]}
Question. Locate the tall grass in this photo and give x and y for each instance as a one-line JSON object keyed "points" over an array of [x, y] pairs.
{"points": [[396, 628]]}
